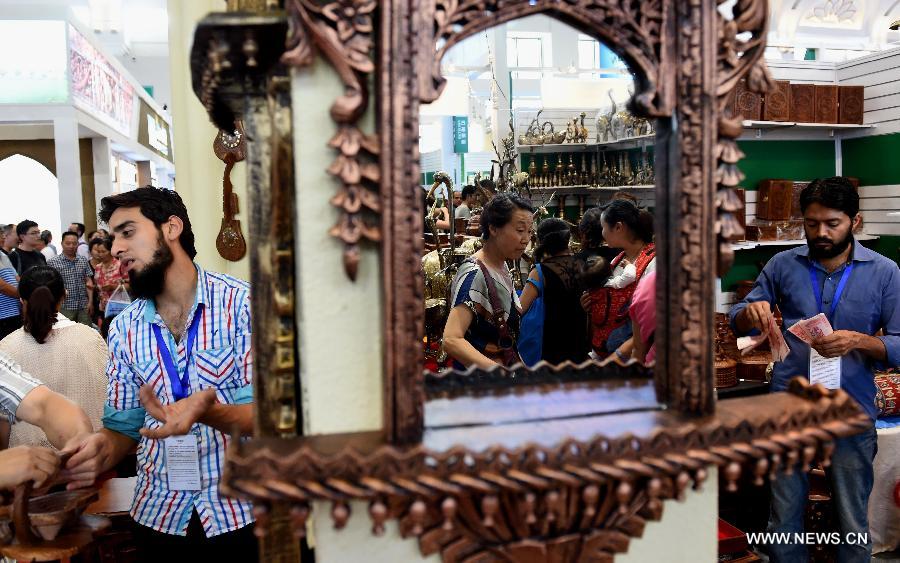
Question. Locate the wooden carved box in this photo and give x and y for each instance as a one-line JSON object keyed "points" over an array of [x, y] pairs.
{"points": [[778, 102], [826, 103], [774, 200], [851, 99], [803, 103], [554, 487]]}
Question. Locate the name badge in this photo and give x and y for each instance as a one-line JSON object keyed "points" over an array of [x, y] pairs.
{"points": [[826, 371], [182, 463]]}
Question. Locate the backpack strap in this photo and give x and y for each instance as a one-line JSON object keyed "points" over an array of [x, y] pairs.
{"points": [[506, 342]]}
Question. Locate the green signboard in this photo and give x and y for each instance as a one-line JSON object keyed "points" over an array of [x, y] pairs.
{"points": [[460, 134]]}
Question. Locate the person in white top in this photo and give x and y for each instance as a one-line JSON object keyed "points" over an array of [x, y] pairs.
{"points": [[49, 251], [83, 249], [71, 357]]}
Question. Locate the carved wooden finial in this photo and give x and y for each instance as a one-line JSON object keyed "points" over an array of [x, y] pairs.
{"points": [[489, 506], [551, 499], [590, 495], [774, 464], [417, 512], [681, 484], [732, 474], [762, 465], [299, 515], [261, 515], [699, 477], [340, 513], [530, 502], [448, 508], [623, 495], [378, 512]]}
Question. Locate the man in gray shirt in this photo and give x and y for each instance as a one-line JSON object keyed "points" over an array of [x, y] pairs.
{"points": [[22, 397]]}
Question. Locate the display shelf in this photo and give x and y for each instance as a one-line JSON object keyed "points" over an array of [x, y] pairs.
{"points": [[585, 190], [750, 244], [631, 142], [789, 130]]}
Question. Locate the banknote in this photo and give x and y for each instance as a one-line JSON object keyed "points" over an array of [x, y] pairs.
{"points": [[809, 330], [779, 347]]}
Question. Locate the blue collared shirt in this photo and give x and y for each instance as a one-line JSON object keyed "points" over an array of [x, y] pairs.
{"points": [[870, 301]]}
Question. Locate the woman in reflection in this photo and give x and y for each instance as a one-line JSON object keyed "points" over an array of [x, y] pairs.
{"points": [[483, 324], [565, 326], [627, 227]]}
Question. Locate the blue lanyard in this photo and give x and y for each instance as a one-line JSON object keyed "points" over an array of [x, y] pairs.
{"points": [[181, 385], [817, 289]]}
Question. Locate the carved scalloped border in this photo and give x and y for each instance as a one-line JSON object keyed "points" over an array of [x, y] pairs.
{"points": [[579, 499], [343, 32]]}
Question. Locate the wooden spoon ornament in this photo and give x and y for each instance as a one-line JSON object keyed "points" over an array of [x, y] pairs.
{"points": [[229, 148]]}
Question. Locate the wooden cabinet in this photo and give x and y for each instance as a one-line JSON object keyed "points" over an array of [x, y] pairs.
{"points": [[774, 200]]}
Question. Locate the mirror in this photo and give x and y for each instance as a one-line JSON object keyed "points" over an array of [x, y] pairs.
{"points": [[538, 178]]}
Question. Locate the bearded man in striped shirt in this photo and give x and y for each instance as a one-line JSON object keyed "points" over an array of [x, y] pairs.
{"points": [[180, 373]]}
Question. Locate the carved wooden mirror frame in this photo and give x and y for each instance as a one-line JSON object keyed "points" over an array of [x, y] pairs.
{"points": [[554, 502]]}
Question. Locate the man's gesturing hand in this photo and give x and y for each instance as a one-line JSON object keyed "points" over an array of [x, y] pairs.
{"points": [[178, 417]]}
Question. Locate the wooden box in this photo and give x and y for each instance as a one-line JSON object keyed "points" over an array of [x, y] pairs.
{"points": [[778, 102], [774, 199], [826, 103], [850, 104], [803, 103], [747, 104], [795, 200]]}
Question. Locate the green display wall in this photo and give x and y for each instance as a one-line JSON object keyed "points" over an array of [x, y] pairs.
{"points": [[789, 160], [874, 160]]}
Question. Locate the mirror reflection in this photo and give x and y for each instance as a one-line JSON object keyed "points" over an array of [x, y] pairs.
{"points": [[538, 186]]}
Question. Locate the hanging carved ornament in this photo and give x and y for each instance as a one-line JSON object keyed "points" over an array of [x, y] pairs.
{"points": [[229, 148], [342, 31], [737, 58]]}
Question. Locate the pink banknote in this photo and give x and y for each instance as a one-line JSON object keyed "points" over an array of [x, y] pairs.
{"points": [[809, 330]]}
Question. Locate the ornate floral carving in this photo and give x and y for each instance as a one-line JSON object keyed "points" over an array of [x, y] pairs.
{"points": [[342, 30], [577, 501], [636, 29]]}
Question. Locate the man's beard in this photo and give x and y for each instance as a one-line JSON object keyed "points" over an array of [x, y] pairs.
{"points": [[825, 253], [150, 281]]}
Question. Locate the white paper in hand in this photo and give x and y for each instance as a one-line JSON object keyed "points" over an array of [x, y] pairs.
{"points": [[826, 371]]}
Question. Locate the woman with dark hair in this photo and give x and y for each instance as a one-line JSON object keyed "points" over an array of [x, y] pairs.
{"points": [[556, 277], [483, 323], [630, 228], [109, 275], [70, 357]]}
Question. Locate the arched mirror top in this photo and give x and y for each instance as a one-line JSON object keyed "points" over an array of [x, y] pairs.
{"points": [[636, 31]]}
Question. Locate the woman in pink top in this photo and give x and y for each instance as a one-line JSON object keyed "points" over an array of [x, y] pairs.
{"points": [[643, 318]]}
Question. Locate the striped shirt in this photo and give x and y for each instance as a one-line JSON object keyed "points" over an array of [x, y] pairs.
{"points": [[221, 360], [9, 306], [14, 385]]}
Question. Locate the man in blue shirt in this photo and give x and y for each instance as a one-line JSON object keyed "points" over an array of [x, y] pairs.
{"points": [[859, 292]]}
